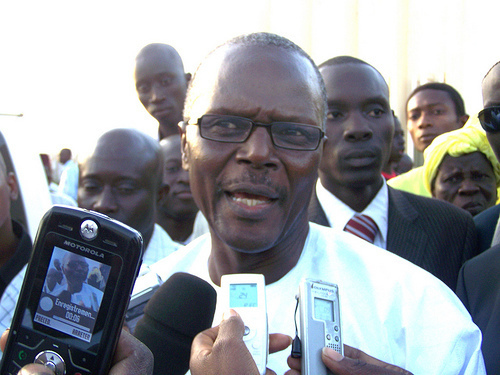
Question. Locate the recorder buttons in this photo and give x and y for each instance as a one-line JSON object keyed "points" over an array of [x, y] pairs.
{"points": [[88, 230], [52, 360]]}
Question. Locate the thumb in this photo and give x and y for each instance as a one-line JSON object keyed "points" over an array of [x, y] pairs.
{"points": [[341, 365]]}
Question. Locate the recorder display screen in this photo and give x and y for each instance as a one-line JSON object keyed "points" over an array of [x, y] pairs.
{"points": [[243, 295], [323, 309], [72, 294]]}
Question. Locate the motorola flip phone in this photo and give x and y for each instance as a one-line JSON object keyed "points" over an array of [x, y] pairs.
{"points": [[75, 293]]}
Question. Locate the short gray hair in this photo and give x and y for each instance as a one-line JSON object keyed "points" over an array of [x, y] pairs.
{"points": [[261, 39]]}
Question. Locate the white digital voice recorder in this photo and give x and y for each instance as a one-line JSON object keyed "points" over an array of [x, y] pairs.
{"points": [[319, 323], [246, 294]]}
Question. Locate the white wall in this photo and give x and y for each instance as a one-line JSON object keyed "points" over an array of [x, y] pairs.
{"points": [[68, 65]]}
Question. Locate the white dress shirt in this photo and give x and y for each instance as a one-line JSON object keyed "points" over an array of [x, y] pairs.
{"points": [[390, 308], [338, 213]]}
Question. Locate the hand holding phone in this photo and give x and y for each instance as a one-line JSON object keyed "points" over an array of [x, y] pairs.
{"points": [[75, 293]]}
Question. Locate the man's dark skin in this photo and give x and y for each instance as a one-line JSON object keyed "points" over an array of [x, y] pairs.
{"points": [[430, 113], [397, 149], [176, 207], [121, 179], [161, 85], [253, 193], [268, 235], [75, 269], [8, 191], [359, 130]]}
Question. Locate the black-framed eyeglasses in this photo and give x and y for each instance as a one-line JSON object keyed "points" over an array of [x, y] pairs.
{"points": [[490, 119], [234, 129]]}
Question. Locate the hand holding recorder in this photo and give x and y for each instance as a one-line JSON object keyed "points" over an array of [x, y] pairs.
{"points": [[353, 362], [221, 350]]}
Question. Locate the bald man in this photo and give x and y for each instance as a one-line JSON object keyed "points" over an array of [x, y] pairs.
{"points": [[161, 85], [121, 179]]}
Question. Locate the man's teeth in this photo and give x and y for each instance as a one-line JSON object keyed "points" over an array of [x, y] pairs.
{"points": [[249, 202]]}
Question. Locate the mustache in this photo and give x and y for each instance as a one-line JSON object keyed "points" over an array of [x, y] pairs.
{"points": [[252, 178]]}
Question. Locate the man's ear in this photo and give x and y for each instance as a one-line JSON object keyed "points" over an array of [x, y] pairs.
{"points": [[14, 188], [463, 119], [188, 78], [184, 147]]}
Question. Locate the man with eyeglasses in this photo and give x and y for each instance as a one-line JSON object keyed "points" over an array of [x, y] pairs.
{"points": [[252, 138], [479, 279], [351, 193]]}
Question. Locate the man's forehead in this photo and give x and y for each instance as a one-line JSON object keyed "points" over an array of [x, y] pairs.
{"points": [[491, 87], [429, 98], [127, 164], [354, 79], [157, 62], [252, 72]]}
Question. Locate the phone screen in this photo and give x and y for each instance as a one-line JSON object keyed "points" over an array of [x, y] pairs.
{"points": [[72, 294]]}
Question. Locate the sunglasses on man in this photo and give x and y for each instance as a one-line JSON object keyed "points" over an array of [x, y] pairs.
{"points": [[490, 119]]}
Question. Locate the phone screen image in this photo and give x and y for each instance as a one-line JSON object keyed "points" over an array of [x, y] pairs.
{"points": [[72, 294]]}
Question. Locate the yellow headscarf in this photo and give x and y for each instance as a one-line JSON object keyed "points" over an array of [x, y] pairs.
{"points": [[456, 143]]}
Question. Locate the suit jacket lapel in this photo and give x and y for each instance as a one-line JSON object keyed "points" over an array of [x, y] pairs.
{"points": [[315, 211], [404, 237]]}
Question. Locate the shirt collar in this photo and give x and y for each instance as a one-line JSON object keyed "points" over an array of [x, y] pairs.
{"points": [[338, 213]]}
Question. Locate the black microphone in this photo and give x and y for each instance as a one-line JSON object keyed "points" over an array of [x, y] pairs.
{"points": [[181, 308]]}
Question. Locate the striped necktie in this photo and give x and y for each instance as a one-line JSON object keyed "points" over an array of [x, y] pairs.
{"points": [[362, 226]]}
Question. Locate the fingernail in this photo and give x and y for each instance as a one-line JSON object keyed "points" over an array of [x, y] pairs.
{"points": [[332, 354], [228, 313]]}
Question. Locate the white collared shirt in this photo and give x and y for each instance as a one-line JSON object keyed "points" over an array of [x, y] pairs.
{"points": [[338, 213]]}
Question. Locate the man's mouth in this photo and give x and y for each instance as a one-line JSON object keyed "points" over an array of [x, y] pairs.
{"points": [[248, 199], [427, 137]]}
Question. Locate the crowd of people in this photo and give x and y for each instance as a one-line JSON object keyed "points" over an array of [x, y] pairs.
{"points": [[268, 163]]}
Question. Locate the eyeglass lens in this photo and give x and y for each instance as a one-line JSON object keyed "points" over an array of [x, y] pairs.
{"points": [[237, 129], [490, 119]]}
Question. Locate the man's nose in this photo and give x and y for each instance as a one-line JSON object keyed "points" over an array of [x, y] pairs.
{"points": [[106, 201], [357, 128], [258, 149], [468, 186], [424, 120], [157, 93]]}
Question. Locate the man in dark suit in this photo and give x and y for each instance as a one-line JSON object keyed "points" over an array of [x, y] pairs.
{"points": [[359, 128], [479, 280]]}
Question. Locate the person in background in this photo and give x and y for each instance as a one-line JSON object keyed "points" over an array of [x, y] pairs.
{"points": [[121, 179], [177, 210], [461, 168], [404, 165], [352, 195], [431, 109], [397, 150], [69, 177], [161, 85], [55, 196], [479, 280], [15, 247], [15, 243]]}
